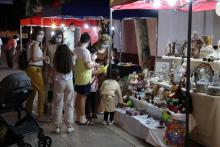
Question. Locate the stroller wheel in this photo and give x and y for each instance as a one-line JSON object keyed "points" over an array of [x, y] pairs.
{"points": [[45, 141], [25, 145]]}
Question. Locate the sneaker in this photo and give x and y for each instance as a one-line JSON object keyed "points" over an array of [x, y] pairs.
{"points": [[70, 129], [111, 123], [58, 130], [104, 122]]}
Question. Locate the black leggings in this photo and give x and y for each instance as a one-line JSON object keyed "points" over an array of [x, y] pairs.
{"points": [[111, 116], [10, 58], [91, 103]]}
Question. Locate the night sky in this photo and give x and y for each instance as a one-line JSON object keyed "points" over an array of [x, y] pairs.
{"points": [[10, 15]]}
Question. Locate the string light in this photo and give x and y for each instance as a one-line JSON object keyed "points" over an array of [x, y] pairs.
{"points": [[31, 31], [94, 28], [86, 26], [62, 25], [156, 4], [53, 26], [52, 33], [64, 28], [217, 8], [171, 2]]}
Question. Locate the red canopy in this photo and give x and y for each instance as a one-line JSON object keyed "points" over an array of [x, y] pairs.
{"points": [[182, 5], [48, 21]]}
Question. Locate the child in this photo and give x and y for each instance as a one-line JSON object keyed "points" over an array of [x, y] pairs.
{"points": [[91, 100], [63, 88], [108, 90]]}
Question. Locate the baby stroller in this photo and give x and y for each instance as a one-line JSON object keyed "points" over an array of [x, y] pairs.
{"points": [[15, 121]]}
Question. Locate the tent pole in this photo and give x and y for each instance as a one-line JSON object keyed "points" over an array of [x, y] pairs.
{"points": [[121, 39], [188, 71], [21, 46], [110, 47]]}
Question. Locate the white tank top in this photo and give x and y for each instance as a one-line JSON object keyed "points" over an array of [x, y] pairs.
{"points": [[39, 53]]}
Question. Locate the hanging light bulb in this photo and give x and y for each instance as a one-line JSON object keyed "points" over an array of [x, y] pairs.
{"points": [[31, 31], [62, 25], [94, 28], [64, 28], [156, 4], [171, 2], [52, 33], [217, 8], [86, 26], [112, 28], [53, 26]]}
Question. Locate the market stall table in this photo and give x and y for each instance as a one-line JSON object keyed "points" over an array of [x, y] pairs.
{"points": [[126, 69], [138, 126], [155, 111], [206, 110]]}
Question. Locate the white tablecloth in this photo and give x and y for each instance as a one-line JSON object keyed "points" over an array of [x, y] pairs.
{"points": [[155, 111], [206, 109], [138, 126]]}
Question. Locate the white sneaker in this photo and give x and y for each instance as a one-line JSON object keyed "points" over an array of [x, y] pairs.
{"points": [[104, 122], [70, 129], [58, 130], [111, 123]]}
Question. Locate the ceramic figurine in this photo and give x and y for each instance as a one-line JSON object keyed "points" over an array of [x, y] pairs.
{"points": [[127, 102], [216, 53], [176, 100], [137, 83], [197, 43], [207, 48]]}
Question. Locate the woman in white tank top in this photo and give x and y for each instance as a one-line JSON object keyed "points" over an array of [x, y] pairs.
{"points": [[34, 71]]}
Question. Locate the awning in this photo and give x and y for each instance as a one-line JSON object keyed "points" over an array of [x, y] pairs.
{"points": [[48, 21], [182, 5], [120, 2]]}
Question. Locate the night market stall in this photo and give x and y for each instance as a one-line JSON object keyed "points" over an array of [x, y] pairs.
{"points": [[206, 131]]}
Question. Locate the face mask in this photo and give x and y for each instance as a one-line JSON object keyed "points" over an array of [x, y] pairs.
{"points": [[104, 45], [58, 40], [40, 38], [94, 57]]}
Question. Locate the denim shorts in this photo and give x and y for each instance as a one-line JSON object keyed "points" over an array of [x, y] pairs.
{"points": [[83, 89]]}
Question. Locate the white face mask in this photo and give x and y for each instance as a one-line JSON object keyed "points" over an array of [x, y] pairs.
{"points": [[58, 39], [93, 57], [40, 38], [104, 45]]}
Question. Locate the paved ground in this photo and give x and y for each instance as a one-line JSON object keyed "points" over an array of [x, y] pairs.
{"points": [[86, 136]]}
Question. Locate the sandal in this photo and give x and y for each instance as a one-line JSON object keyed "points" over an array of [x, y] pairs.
{"points": [[87, 123], [77, 122]]}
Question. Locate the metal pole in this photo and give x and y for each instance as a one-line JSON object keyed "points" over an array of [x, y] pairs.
{"points": [[188, 71], [21, 46], [121, 40], [109, 48]]}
